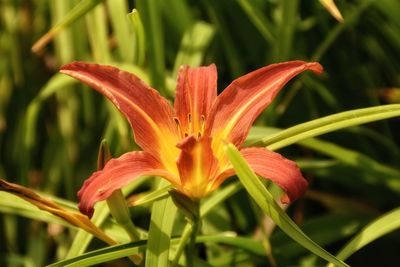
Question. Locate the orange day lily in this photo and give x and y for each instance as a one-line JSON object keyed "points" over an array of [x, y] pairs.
{"points": [[185, 143]]}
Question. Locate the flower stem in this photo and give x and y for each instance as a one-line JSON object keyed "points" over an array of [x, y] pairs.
{"points": [[182, 244], [191, 247], [187, 242]]}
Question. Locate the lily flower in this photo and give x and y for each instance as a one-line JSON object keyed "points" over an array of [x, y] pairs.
{"points": [[185, 144]]}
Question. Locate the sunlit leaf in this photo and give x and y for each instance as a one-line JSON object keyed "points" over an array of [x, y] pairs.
{"points": [[77, 12], [329, 124], [377, 228], [162, 220], [265, 200], [193, 45]]}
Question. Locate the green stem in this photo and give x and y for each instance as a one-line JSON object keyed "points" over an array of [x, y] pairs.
{"points": [[191, 209], [187, 233], [187, 241], [191, 247]]}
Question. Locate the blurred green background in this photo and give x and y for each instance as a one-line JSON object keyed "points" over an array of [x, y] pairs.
{"points": [[50, 126]]}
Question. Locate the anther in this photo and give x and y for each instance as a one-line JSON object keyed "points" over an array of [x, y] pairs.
{"points": [[190, 122], [203, 122], [178, 125], [177, 122]]}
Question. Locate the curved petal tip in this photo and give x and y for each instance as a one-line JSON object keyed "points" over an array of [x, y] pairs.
{"points": [[315, 67], [73, 65], [116, 174]]}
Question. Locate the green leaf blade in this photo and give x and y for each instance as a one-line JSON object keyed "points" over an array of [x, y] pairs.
{"points": [[266, 202], [329, 124], [381, 226]]}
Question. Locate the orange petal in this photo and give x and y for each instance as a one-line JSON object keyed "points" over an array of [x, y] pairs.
{"points": [[195, 93], [197, 166], [273, 166], [245, 98], [280, 170], [116, 174], [150, 115]]}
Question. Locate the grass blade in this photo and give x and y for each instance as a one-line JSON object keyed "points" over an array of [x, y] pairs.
{"points": [[82, 238], [57, 82], [374, 230], [333, 34], [162, 220], [193, 45], [17, 206], [149, 198], [329, 124], [118, 10], [102, 255], [287, 24], [265, 200], [151, 17], [139, 39], [259, 20], [76, 13], [380, 171], [124, 250], [98, 34]]}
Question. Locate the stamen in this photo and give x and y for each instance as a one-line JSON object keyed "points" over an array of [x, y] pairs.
{"points": [[178, 125], [190, 123], [176, 120], [203, 122]]}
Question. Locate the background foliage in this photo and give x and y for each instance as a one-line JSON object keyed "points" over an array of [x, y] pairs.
{"points": [[50, 126]]}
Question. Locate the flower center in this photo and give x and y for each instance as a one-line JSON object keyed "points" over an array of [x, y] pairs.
{"points": [[193, 126]]}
